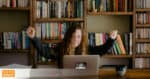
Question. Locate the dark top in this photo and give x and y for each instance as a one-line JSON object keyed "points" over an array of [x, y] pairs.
{"points": [[57, 55]]}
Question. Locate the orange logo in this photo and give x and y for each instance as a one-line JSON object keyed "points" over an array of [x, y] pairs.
{"points": [[8, 73]]}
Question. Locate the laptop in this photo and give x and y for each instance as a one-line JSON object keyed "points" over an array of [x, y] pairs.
{"points": [[84, 62]]}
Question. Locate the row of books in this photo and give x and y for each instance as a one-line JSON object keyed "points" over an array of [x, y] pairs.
{"points": [[142, 63], [96, 39], [128, 42], [51, 31], [110, 5], [142, 4], [46, 53], [14, 40], [143, 33], [60, 9], [142, 48], [14, 3], [120, 46], [143, 18]]}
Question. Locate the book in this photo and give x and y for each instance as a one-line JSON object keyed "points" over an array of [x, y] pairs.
{"points": [[51, 30], [110, 5], [96, 39], [14, 3], [120, 43], [142, 33], [142, 63], [60, 9], [142, 48], [14, 40], [130, 44], [126, 42], [117, 48]]}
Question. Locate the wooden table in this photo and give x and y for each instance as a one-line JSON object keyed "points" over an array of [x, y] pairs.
{"points": [[130, 74], [79, 74]]}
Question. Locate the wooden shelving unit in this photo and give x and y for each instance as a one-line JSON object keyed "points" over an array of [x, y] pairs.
{"points": [[142, 40], [109, 13], [140, 10], [14, 9], [33, 20], [127, 12], [142, 55], [17, 9], [14, 51], [117, 56], [60, 20], [143, 25], [51, 20]]}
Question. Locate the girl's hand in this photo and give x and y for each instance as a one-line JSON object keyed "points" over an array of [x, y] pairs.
{"points": [[30, 32], [113, 34]]}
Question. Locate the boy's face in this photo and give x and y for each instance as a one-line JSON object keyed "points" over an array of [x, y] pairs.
{"points": [[76, 38]]}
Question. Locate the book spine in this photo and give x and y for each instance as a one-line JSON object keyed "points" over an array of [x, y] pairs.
{"points": [[119, 40]]}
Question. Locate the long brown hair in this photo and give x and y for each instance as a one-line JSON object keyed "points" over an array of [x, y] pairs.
{"points": [[67, 47]]}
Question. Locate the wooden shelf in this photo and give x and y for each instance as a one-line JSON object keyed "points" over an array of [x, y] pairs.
{"points": [[110, 13], [14, 51], [15, 9], [51, 41], [143, 25], [143, 10], [47, 63], [117, 56], [60, 20], [142, 55], [142, 40]]}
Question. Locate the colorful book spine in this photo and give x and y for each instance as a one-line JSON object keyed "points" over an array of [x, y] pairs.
{"points": [[119, 40]]}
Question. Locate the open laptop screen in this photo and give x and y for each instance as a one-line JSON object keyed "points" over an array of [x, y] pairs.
{"points": [[90, 62]]}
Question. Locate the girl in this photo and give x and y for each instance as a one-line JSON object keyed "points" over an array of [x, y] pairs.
{"points": [[72, 44]]}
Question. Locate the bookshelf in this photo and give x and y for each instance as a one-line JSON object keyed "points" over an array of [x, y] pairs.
{"points": [[142, 10], [125, 8], [141, 41], [114, 8], [141, 25], [24, 10], [109, 13], [14, 51], [15, 9], [50, 16], [60, 20], [142, 55], [117, 56]]}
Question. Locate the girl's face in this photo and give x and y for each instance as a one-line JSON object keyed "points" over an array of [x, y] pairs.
{"points": [[76, 38]]}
